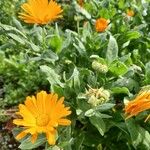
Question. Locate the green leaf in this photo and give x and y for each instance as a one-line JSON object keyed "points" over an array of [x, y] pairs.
{"points": [[17, 38], [121, 126], [56, 43], [90, 112], [147, 74], [112, 50], [118, 68], [34, 47], [17, 24], [121, 4], [83, 105], [104, 107], [65, 139], [120, 90], [74, 80], [132, 35], [98, 123], [91, 139], [57, 89], [79, 46], [105, 116], [27, 144], [52, 76], [11, 29], [81, 10], [126, 82], [139, 136], [49, 56], [78, 141], [133, 129], [104, 13], [146, 138]]}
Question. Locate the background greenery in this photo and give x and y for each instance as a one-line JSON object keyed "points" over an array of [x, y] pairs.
{"points": [[59, 57]]}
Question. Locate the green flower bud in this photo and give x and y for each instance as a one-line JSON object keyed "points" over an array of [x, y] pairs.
{"points": [[102, 68], [68, 62]]}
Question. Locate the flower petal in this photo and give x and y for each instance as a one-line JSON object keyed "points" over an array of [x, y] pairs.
{"points": [[40, 11], [21, 135], [64, 122], [34, 137], [51, 137]]}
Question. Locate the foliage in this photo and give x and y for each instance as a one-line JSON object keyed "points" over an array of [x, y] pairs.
{"points": [[59, 57]]}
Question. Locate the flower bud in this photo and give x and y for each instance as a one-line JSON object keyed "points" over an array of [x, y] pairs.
{"points": [[101, 24], [130, 13], [97, 96], [102, 68]]}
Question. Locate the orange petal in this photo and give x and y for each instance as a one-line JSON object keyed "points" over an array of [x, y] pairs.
{"points": [[31, 106], [21, 122], [26, 114], [34, 137], [41, 98], [51, 137], [64, 122], [21, 135]]}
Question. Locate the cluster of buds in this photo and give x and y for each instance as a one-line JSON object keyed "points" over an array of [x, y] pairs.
{"points": [[99, 67], [97, 96]]}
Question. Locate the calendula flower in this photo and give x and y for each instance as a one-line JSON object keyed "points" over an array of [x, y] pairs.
{"points": [[101, 24], [81, 2], [40, 11], [130, 12], [42, 114], [139, 104]]}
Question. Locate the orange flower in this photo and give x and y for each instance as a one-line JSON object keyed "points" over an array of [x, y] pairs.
{"points": [[42, 114], [81, 2], [130, 12], [101, 24], [40, 11], [139, 104]]}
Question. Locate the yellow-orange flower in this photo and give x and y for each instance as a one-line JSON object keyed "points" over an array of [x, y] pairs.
{"points": [[101, 24], [42, 114], [139, 104], [81, 2], [130, 12], [40, 11]]}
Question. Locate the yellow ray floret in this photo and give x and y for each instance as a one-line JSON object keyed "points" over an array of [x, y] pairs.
{"points": [[139, 104], [40, 11], [42, 114]]}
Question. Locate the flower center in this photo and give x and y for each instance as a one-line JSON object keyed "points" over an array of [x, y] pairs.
{"points": [[42, 120]]}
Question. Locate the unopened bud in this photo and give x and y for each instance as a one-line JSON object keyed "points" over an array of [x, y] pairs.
{"points": [[102, 68]]}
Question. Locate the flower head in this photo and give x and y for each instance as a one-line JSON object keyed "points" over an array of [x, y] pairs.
{"points": [[40, 11], [101, 24], [81, 2], [42, 114], [97, 96], [130, 12], [139, 104]]}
